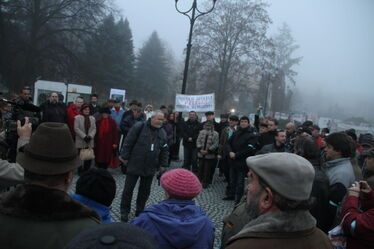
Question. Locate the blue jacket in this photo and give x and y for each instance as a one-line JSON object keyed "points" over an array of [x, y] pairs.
{"points": [[117, 116], [102, 210], [177, 224]]}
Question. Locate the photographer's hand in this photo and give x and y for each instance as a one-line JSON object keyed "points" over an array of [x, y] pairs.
{"points": [[25, 130]]}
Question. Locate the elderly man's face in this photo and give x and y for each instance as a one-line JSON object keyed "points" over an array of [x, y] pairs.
{"points": [[53, 98], [290, 129], [254, 191], [79, 102], [158, 120]]}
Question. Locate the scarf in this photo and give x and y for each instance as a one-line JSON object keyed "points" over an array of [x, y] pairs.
{"points": [[104, 128], [87, 123]]}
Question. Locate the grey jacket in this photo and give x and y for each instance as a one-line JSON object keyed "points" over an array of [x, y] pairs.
{"points": [[81, 133], [339, 171], [146, 149]]}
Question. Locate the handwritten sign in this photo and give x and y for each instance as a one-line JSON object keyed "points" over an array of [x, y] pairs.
{"points": [[197, 103]]}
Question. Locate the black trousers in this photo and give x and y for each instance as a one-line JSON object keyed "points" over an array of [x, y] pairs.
{"points": [[143, 193], [190, 158]]}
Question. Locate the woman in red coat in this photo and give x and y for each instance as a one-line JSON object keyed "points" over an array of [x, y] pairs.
{"points": [[106, 138], [359, 225]]}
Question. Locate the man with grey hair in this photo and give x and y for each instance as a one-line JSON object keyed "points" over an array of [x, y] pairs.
{"points": [[52, 110], [145, 150], [278, 202], [291, 136]]}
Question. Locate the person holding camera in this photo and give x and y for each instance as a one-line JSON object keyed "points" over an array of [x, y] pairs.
{"points": [[358, 225], [85, 130]]}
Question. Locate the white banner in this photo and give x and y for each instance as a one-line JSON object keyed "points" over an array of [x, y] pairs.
{"points": [[197, 103], [117, 94]]}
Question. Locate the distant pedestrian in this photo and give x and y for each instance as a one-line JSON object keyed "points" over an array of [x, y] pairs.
{"points": [[190, 132], [52, 110]]}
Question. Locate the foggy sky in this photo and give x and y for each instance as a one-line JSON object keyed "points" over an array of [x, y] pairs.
{"points": [[336, 39]]}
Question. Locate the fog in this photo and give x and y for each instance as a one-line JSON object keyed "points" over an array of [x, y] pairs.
{"points": [[336, 39]]}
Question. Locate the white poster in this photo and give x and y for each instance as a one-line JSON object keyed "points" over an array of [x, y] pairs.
{"points": [[117, 94], [197, 103]]}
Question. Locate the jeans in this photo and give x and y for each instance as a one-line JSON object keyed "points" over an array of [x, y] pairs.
{"points": [[190, 158], [236, 186], [143, 193]]}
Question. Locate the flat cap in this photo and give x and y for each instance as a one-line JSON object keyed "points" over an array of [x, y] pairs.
{"points": [[288, 174]]}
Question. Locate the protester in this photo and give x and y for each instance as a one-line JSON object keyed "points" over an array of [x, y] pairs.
{"points": [[52, 110], [148, 111], [358, 215], [211, 117], [368, 174], [317, 136], [94, 107], [268, 137], [169, 127], [144, 151], [129, 120], [279, 144], [241, 145], [190, 132], [106, 139], [12, 173], [113, 236], [223, 154], [134, 106], [96, 188], [291, 136], [223, 123], [85, 130], [177, 222], [307, 147], [110, 103], [72, 111], [117, 113], [207, 143], [40, 214], [278, 199]]}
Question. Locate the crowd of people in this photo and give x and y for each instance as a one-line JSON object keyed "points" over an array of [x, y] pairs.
{"points": [[290, 186]]}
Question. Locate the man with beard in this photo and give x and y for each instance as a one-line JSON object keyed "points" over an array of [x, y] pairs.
{"points": [[291, 136], [278, 199], [278, 145], [52, 110]]}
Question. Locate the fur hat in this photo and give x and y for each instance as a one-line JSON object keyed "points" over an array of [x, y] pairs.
{"points": [[111, 236], [288, 174], [98, 185], [181, 184], [51, 151]]}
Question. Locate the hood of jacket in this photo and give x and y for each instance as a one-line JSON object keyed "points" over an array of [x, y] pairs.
{"points": [[180, 222], [336, 162]]}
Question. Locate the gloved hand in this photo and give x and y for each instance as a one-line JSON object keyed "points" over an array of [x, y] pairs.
{"points": [[87, 139]]}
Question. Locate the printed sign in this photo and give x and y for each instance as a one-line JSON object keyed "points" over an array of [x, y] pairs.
{"points": [[117, 94], [197, 103]]}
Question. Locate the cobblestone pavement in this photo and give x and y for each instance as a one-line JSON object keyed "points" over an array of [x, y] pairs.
{"points": [[209, 200]]}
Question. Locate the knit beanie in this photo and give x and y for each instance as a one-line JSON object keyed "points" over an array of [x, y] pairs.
{"points": [[98, 185], [113, 236], [181, 184]]}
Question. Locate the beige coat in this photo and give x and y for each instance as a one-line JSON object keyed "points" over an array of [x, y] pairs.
{"points": [[81, 133]]}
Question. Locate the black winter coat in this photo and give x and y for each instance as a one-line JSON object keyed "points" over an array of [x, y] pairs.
{"points": [[146, 149], [127, 122], [243, 144], [53, 112], [266, 138], [190, 129]]}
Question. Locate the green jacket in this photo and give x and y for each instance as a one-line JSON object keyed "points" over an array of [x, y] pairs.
{"points": [[34, 217]]}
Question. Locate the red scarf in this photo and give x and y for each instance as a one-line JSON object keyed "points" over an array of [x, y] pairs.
{"points": [[104, 128]]}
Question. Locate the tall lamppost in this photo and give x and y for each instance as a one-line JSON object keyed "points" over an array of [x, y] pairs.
{"points": [[193, 13]]}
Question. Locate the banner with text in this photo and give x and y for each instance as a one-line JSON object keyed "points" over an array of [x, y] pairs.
{"points": [[197, 103]]}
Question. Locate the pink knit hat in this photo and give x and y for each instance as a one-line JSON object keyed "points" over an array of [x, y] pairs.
{"points": [[181, 183]]}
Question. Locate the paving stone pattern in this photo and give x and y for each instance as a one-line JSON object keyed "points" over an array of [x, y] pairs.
{"points": [[209, 200]]}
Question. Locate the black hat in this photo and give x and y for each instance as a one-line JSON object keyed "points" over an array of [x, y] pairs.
{"points": [[98, 185], [262, 124], [234, 118], [112, 236], [316, 127], [163, 107], [224, 115], [105, 110], [209, 113]]}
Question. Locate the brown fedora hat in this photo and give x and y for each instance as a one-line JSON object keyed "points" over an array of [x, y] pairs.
{"points": [[51, 151]]}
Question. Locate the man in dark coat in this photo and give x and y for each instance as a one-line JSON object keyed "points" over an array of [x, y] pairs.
{"points": [[279, 144], [53, 111], [190, 133], [94, 107], [40, 214], [145, 151], [278, 198], [240, 146], [128, 121], [268, 137], [211, 116]]}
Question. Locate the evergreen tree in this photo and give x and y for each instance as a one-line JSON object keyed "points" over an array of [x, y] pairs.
{"points": [[152, 70]]}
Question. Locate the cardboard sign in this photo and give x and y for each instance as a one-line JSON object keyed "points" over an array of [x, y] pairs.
{"points": [[197, 103], [117, 94]]}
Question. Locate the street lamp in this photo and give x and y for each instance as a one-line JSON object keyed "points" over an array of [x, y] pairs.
{"points": [[195, 13]]}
